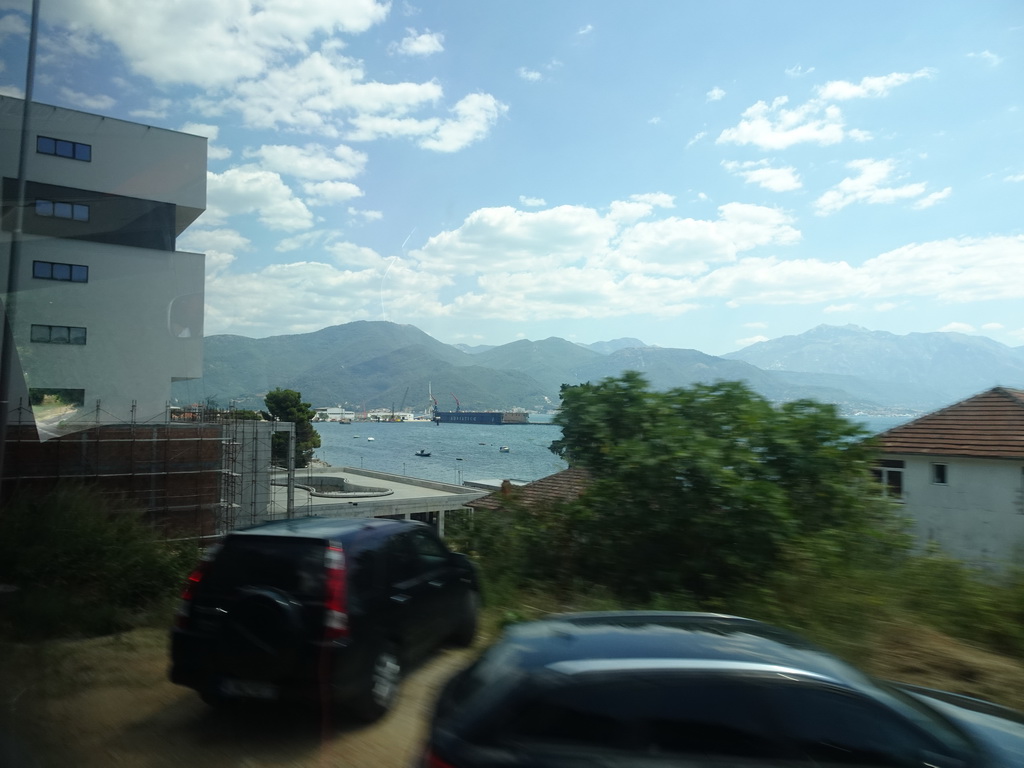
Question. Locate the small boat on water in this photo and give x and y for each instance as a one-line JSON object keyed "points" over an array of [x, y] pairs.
{"points": [[422, 452], [504, 449], [369, 439]]}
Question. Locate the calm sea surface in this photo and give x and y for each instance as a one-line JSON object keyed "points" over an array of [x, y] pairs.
{"points": [[459, 452]]}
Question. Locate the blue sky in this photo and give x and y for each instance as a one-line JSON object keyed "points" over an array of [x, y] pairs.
{"points": [[698, 175]]}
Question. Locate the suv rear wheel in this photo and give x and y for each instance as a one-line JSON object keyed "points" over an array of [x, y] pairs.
{"points": [[465, 629], [381, 690]]}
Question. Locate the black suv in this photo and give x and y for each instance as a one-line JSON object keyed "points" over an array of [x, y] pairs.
{"points": [[326, 610]]}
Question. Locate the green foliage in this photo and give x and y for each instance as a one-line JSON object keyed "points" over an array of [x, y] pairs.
{"points": [[83, 564], [287, 405], [706, 485]]}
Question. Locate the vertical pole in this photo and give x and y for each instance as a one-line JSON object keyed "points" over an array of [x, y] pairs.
{"points": [[7, 349]]}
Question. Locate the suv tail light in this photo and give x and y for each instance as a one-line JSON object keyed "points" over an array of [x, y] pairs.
{"points": [[431, 760], [188, 592], [335, 595]]}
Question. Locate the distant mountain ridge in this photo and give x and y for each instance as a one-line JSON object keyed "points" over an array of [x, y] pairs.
{"points": [[377, 364]]}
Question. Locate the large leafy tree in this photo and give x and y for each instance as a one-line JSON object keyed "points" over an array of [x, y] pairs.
{"points": [[287, 405], [703, 488]]}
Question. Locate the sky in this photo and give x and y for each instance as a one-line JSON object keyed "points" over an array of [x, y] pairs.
{"points": [[699, 175]]}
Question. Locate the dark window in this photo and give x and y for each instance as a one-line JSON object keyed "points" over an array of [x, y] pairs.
{"points": [[62, 210], [660, 714], [889, 473], [295, 566], [64, 148], [49, 270], [58, 334], [939, 472], [430, 551], [838, 728]]}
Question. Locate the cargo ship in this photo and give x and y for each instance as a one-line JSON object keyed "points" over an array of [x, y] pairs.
{"points": [[459, 416], [481, 417]]}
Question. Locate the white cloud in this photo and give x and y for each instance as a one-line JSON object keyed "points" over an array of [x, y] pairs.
{"points": [[211, 132], [330, 192], [473, 118], [366, 215], [13, 24], [799, 71], [929, 200], [317, 93], [870, 87], [157, 110], [238, 40], [532, 202], [715, 94], [95, 103], [585, 30], [988, 57], [530, 75], [993, 327], [312, 161], [221, 246], [761, 173], [696, 138], [958, 328], [248, 189], [954, 271], [773, 126], [1014, 177], [832, 308], [419, 43], [869, 186]]}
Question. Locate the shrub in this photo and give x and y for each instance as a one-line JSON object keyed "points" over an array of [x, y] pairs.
{"points": [[83, 564]]}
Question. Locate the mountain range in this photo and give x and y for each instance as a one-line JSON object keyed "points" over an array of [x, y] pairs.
{"points": [[378, 364]]}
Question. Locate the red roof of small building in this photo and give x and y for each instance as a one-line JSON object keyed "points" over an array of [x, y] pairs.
{"points": [[566, 485], [988, 425]]}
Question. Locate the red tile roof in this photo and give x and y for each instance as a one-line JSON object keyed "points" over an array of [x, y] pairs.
{"points": [[989, 425], [566, 485]]}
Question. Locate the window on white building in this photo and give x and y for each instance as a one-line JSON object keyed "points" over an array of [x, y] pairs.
{"points": [[73, 150], [51, 270], [58, 334], [62, 210], [889, 473], [939, 474]]}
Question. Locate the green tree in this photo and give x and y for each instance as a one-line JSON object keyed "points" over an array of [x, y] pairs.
{"points": [[702, 489], [287, 405]]}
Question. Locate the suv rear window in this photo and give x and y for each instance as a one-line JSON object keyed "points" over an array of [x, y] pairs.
{"points": [[293, 565]]}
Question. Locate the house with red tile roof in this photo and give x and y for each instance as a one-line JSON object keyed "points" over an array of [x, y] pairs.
{"points": [[959, 473], [566, 485]]}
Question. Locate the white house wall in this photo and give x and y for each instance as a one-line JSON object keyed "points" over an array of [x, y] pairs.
{"points": [[978, 515]]}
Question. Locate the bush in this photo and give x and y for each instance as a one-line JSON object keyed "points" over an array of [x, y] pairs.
{"points": [[83, 564]]}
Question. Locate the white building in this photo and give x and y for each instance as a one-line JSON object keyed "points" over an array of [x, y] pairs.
{"points": [[106, 313], [959, 473]]}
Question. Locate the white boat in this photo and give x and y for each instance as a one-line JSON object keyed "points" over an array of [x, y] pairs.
{"points": [[369, 439], [504, 449]]}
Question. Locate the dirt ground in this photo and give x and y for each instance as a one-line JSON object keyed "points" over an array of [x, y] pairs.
{"points": [[107, 702]]}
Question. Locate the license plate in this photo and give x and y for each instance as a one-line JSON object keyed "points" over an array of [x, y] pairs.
{"points": [[248, 689]]}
